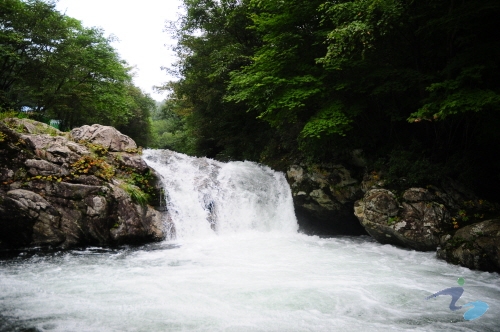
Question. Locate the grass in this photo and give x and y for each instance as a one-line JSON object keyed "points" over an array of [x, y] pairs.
{"points": [[137, 195]]}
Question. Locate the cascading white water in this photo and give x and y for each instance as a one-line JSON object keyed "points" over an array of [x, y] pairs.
{"points": [[237, 264], [204, 195]]}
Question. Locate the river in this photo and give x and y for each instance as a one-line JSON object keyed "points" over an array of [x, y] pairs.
{"points": [[237, 263]]}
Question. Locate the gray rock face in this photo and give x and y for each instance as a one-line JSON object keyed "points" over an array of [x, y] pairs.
{"points": [[58, 149], [31, 211], [43, 167], [57, 192], [323, 198], [476, 246], [416, 222], [105, 136]]}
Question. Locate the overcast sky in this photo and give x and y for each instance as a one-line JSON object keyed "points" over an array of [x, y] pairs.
{"points": [[139, 27]]}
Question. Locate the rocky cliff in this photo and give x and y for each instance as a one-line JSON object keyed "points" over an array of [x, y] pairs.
{"points": [[324, 197], [335, 199], [86, 187]]}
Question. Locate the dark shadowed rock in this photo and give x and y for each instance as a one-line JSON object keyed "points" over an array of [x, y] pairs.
{"points": [[476, 246], [31, 218], [415, 222], [323, 198]]}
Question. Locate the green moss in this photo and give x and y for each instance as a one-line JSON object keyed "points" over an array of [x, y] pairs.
{"points": [[137, 195], [392, 220]]}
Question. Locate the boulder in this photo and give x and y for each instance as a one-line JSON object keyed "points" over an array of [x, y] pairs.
{"points": [[30, 217], [475, 246], [61, 193], [105, 136], [415, 221], [323, 197], [58, 149], [134, 221], [31, 126]]}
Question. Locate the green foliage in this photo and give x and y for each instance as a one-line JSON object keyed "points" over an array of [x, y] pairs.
{"points": [[88, 165], [53, 67], [358, 27], [97, 149], [392, 220], [466, 93], [135, 193], [12, 114], [138, 125], [213, 40], [313, 80], [329, 121], [282, 83], [409, 167], [170, 130]]}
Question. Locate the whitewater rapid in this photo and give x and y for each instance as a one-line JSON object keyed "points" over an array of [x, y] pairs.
{"points": [[206, 198], [251, 271]]}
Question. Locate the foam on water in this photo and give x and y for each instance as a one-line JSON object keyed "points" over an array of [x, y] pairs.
{"points": [[250, 277], [204, 195]]}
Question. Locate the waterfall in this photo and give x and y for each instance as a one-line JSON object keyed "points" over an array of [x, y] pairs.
{"points": [[205, 197], [238, 264]]}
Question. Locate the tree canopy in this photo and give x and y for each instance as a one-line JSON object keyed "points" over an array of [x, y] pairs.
{"points": [[409, 82], [55, 68]]}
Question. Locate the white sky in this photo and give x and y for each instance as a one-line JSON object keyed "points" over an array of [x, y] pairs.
{"points": [[139, 27]]}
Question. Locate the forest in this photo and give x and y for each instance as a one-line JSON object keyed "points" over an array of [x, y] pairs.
{"points": [[51, 67], [412, 84]]}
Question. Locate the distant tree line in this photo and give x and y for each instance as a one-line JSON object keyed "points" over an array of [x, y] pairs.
{"points": [[52, 67], [414, 84]]}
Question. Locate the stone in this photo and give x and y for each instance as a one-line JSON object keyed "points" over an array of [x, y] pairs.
{"points": [[134, 222], [130, 160], [43, 167], [323, 197], [48, 200], [53, 149], [33, 216], [418, 195], [105, 136], [416, 222], [475, 246], [32, 127]]}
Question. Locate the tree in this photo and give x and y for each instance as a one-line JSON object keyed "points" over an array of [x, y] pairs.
{"points": [[398, 79], [52, 65], [138, 124], [213, 40]]}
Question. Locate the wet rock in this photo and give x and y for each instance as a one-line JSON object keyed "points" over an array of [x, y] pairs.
{"points": [[324, 197], [475, 246], [134, 223], [415, 221]]}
